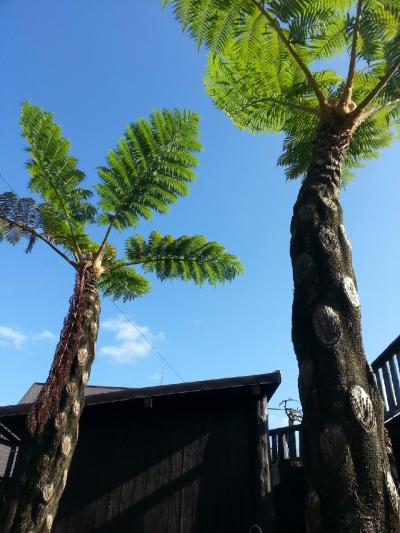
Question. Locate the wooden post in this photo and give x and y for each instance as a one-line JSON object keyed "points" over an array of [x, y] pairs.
{"points": [[264, 505]]}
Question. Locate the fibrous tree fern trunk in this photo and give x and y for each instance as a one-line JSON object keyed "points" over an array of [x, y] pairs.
{"points": [[349, 483], [53, 422]]}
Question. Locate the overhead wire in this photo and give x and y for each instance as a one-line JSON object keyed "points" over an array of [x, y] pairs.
{"points": [[8, 184], [153, 347]]}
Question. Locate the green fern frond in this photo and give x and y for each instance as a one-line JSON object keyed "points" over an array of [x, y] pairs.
{"points": [[54, 173], [17, 217], [187, 258], [150, 167], [123, 283]]}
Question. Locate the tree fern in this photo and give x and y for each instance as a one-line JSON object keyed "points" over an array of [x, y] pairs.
{"points": [[150, 168], [267, 72]]}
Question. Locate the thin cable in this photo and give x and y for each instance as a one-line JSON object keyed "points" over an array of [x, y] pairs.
{"points": [[8, 184], [162, 373], [156, 350]]}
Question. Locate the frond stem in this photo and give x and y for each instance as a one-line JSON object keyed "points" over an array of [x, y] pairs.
{"points": [[377, 89], [348, 88], [104, 241], [39, 236], [176, 258], [310, 78], [78, 254], [380, 108]]}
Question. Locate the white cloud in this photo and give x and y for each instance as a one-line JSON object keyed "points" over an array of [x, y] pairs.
{"points": [[43, 335], [9, 335], [18, 339], [130, 344]]}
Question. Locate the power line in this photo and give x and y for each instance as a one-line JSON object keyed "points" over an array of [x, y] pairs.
{"points": [[154, 348], [8, 185]]}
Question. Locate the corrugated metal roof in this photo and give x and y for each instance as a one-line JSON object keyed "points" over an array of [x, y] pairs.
{"points": [[90, 390], [4, 453]]}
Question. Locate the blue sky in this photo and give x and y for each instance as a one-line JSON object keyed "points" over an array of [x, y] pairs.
{"points": [[99, 65]]}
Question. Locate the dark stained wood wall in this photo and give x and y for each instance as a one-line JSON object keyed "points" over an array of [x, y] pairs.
{"points": [[186, 464]]}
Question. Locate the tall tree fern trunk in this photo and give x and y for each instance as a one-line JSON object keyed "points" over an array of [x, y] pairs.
{"points": [[53, 422], [349, 483]]}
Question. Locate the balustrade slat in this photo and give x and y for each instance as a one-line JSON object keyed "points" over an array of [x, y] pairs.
{"points": [[395, 379], [380, 387], [281, 446], [274, 439], [291, 440], [388, 388]]}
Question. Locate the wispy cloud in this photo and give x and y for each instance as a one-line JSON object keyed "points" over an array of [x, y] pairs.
{"points": [[11, 336], [130, 345], [43, 335]]}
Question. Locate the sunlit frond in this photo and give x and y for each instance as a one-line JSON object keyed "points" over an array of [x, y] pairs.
{"points": [[190, 258], [150, 168]]}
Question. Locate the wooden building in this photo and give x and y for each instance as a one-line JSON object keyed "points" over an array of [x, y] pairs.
{"points": [[183, 458]]}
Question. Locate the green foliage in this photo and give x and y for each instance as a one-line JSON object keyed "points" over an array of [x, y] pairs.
{"points": [[260, 53], [55, 176], [123, 283], [150, 167], [370, 137], [253, 90], [188, 258], [214, 23], [16, 216]]}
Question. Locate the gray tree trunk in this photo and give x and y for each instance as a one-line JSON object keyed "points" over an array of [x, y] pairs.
{"points": [[350, 486], [52, 424]]}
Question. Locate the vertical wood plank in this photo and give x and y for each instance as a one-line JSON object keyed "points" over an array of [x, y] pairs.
{"points": [[291, 441], [281, 446], [176, 466], [395, 380], [388, 387], [189, 456], [380, 387], [275, 456], [263, 484]]}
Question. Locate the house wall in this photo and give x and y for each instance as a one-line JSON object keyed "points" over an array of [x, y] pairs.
{"points": [[186, 464]]}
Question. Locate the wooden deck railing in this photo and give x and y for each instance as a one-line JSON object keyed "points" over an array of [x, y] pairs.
{"points": [[285, 443], [386, 368]]}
